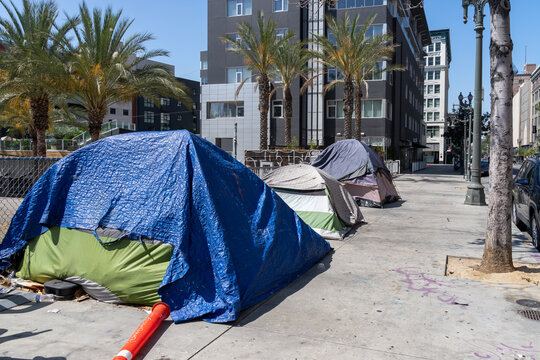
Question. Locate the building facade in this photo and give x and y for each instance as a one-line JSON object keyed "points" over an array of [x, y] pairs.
{"points": [[171, 114], [436, 84], [392, 107], [525, 117]]}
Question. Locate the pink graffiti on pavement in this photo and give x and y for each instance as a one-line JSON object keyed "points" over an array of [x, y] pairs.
{"points": [[536, 257], [491, 350], [418, 281]]}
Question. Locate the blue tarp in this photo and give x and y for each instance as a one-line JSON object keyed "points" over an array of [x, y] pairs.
{"points": [[235, 241], [348, 159]]}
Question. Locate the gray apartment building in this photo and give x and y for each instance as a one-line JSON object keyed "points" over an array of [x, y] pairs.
{"points": [[392, 110]]}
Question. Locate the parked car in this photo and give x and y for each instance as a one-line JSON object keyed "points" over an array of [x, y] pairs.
{"points": [[484, 167], [526, 199]]}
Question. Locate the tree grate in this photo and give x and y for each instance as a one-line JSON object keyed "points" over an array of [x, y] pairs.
{"points": [[530, 314]]}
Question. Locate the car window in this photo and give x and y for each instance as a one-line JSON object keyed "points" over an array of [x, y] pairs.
{"points": [[523, 170], [530, 175]]}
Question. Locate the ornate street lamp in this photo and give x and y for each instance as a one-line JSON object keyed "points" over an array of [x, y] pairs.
{"points": [[475, 190]]}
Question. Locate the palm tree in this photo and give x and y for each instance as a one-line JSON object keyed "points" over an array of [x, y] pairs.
{"points": [[258, 48], [291, 62], [105, 68], [33, 60], [341, 53], [370, 52]]}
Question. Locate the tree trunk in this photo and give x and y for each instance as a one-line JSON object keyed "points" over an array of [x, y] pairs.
{"points": [[39, 106], [33, 136], [264, 93], [287, 104], [348, 104], [358, 114], [95, 120], [498, 246]]}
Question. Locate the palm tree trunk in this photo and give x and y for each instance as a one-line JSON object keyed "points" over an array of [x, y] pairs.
{"points": [[498, 246], [264, 93], [95, 120], [40, 115], [358, 114], [287, 104], [348, 104]]}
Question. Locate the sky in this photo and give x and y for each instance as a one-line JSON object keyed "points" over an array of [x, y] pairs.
{"points": [[180, 26]]}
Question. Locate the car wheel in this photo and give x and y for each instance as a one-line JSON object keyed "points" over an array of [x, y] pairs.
{"points": [[535, 232], [520, 225]]}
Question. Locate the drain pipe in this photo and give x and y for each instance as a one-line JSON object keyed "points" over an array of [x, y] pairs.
{"points": [[160, 312]]}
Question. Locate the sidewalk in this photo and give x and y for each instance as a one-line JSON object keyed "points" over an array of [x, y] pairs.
{"points": [[381, 294]]}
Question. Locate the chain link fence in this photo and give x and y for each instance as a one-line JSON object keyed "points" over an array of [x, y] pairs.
{"points": [[17, 176]]}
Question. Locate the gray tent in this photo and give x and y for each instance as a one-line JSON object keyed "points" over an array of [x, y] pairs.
{"points": [[319, 199]]}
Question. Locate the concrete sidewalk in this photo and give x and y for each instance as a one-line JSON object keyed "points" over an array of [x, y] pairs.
{"points": [[381, 294]]}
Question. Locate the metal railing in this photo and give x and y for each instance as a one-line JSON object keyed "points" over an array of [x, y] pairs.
{"points": [[17, 176], [394, 166]]}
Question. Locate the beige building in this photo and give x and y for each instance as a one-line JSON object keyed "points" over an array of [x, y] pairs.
{"points": [[525, 117], [436, 84]]}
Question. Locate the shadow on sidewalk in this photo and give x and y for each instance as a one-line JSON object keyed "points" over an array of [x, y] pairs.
{"points": [[253, 313]]}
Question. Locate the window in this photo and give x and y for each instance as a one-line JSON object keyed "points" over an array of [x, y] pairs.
{"points": [[437, 60], [331, 109], [437, 102], [334, 109], [225, 144], [125, 112], [281, 33], [437, 46], [280, 5], [204, 65], [430, 47], [237, 75], [277, 108], [376, 73], [429, 75], [217, 110], [148, 103], [333, 74], [204, 81], [348, 4], [429, 116], [372, 108], [430, 103], [238, 7], [437, 89], [165, 121], [149, 117], [165, 101], [430, 61], [433, 131], [112, 111], [374, 30], [436, 116], [437, 75], [430, 89], [228, 45]]}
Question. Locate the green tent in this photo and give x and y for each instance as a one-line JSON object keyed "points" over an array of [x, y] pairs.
{"points": [[320, 200]]}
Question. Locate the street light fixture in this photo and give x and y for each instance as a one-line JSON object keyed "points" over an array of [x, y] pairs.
{"points": [[475, 190]]}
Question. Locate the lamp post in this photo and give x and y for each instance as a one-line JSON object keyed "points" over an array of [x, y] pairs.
{"points": [[475, 190], [465, 113]]}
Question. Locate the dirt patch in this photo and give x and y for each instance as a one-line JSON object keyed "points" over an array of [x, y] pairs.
{"points": [[465, 268]]}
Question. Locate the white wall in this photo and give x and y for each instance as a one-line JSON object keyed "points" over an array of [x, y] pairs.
{"points": [[248, 126]]}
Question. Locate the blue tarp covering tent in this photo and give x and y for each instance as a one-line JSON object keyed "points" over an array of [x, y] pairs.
{"points": [[235, 241]]}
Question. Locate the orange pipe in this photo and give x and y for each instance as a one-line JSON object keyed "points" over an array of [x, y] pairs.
{"points": [[160, 312]]}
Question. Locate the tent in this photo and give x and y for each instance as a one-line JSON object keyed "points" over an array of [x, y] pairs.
{"points": [[362, 171], [319, 199], [143, 217]]}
